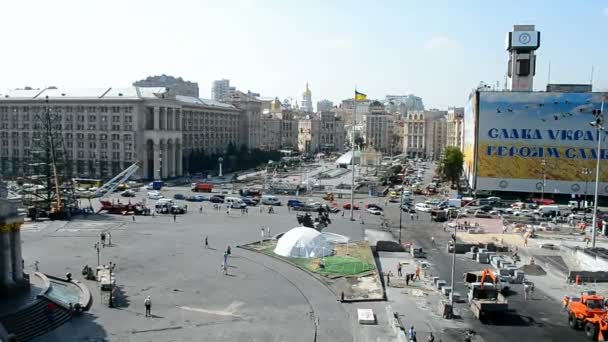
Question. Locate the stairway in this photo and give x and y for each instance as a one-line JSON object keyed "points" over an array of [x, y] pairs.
{"points": [[32, 321]]}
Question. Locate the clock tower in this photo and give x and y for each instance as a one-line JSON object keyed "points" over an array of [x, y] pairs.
{"points": [[521, 44]]}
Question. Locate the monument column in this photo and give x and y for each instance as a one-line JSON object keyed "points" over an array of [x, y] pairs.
{"points": [[6, 277], [17, 257]]}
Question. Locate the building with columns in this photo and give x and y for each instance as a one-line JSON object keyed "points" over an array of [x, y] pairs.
{"points": [[107, 129], [455, 126], [414, 137]]}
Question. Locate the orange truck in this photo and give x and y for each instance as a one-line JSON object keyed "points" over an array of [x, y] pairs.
{"points": [[589, 313], [202, 187]]}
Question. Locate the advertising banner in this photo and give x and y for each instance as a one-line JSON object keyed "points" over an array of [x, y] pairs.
{"points": [[536, 141]]}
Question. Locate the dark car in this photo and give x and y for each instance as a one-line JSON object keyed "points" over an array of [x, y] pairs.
{"points": [[216, 199], [408, 209], [128, 193], [249, 201], [179, 197], [373, 206], [294, 203], [197, 198]]}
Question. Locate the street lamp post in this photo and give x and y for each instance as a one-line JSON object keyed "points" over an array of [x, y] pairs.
{"points": [[543, 163], [454, 251], [96, 246], [401, 203], [599, 125]]}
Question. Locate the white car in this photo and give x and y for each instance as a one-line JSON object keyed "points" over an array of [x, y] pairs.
{"points": [[155, 195], [425, 208], [374, 211]]}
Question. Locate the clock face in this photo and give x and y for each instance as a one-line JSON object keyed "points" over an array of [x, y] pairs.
{"points": [[525, 38]]}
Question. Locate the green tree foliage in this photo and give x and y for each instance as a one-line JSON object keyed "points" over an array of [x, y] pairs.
{"points": [[452, 164], [233, 159]]}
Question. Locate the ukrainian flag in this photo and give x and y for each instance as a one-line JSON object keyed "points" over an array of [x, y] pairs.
{"points": [[360, 96]]}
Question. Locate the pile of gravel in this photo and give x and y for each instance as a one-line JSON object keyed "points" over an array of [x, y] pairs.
{"points": [[534, 270]]}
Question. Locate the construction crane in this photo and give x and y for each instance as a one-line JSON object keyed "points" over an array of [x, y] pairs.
{"points": [[119, 208], [111, 185]]}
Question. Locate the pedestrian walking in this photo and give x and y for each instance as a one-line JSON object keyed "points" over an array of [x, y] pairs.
{"points": [[200, 209], [133, 217], [433, 241], [261, 209], [399, 269], [412, 217], [246, 210], [228, 250], [417, 217], [268, 231], [148, 305], [109, 239], [102, 237], [388, 279], [526, 291], [206, 242], [174, 218], [262, 233], [417, 274], [411, 334], [431, 337], [407, 279]]}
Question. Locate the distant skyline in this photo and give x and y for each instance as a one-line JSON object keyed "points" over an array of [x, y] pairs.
{"points": [[438, 50]]}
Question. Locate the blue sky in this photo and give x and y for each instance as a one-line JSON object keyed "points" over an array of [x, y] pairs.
{"points": [[438, 50]]}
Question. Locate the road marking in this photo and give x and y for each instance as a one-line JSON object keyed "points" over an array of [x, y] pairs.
{"points": [[230, 310]]}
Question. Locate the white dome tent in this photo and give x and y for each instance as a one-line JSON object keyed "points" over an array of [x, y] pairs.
{"points": [[303, 242]]}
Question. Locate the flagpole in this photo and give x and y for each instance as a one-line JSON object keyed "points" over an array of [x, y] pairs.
{"points": [[352, 161]]}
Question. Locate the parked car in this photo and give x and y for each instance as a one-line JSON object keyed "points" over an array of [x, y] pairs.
{"points": [[249, 201], [482, 214], [294, 203], [373, 206], [347, 206], [197, 198], [408, 209], [177, 209], [374, 211], [128, 193], [424, 207], [235, 202], [154, 195], [216, 199], [179, 197]]}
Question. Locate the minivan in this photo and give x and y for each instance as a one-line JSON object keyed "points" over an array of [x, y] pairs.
{"points": [[270, 200]]}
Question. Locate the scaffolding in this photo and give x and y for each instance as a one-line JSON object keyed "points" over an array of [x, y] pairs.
{"points": [[48, 189]]}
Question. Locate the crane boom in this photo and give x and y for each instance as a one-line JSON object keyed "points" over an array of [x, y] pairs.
{"points": [[107, 188]]}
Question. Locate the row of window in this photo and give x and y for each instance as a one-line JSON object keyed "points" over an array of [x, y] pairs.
{"points": [[70, 136], [4, 152], [70, 118], [67, 109]]}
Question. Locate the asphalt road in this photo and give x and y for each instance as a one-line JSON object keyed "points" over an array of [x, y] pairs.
{"points": [[540, 319]]}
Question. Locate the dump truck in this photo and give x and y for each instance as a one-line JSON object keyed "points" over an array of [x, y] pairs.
{"points": [[486, 301], [588, 312], [481, 277]]}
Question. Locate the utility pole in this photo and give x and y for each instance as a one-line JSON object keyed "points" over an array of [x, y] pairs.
{"points": [[586, 172], [599, 125], [96, 246], [543, 163]]}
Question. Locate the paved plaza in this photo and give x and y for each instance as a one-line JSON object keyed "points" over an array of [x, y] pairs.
{"points": [[261, 298]]}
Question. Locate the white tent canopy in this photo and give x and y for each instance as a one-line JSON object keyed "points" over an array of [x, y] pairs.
{"points": [[303, 242]]}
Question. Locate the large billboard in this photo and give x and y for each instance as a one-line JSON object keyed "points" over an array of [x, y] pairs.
{"points": [[521, 138]]}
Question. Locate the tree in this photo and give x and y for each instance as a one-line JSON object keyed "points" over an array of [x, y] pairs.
{"points": [[452, 164]]}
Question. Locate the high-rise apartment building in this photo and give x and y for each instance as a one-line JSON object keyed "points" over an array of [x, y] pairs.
{"points": [[221, 90]]}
